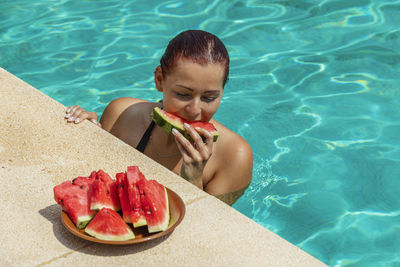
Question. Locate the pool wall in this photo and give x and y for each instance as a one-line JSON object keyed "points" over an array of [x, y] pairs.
{"points": [[38, 150]]}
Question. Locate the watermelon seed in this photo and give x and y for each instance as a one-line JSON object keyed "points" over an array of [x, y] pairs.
{"points": [[82, 186], [122, 186], [108, 192], [133, 208], [73, 180], [148, 212]]}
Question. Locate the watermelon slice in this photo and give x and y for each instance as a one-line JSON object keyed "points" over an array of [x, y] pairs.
{"points": [[104, 192], [123, 196], [74, 198], [168, 121], [108, 225], [133, 176], [154, 201]]}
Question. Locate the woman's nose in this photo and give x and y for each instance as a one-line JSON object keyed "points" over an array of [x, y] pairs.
{"points": [[194, 109]]}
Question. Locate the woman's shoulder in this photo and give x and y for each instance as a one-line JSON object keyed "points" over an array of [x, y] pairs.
{"points": [[232, 163], [231, 141], [233, 148], [122, 103], [123, 107]]}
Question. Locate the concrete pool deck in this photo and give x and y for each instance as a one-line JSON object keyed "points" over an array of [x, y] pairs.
{"points": [[39, 150]]}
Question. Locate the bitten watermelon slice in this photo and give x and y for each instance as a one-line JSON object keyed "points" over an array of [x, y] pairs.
{"points": [[108, 225], [104, 192], [154, 201], [74, 198], [168, 121]]}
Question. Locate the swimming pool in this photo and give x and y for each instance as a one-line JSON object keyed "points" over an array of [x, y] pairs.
{"points": [[315, 84]]}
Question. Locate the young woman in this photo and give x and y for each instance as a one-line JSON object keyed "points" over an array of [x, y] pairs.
{"points": [[191, 76]]}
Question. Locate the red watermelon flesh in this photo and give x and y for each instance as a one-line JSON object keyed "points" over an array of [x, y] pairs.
{"points": [[92, 175], [74, 199], [123, 197], [133, 176], [102, 175], [154, 201], [86, 182], [70, 189], [104, 192], [205, 125], [108, 225]]}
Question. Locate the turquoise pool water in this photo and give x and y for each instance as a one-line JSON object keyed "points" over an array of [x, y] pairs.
{"points": [[314, 83]]}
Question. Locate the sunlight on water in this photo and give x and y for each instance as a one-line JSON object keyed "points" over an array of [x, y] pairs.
{"points": [[314, 84]]}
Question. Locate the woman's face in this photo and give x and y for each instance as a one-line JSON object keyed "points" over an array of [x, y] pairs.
{"points": [[191, 91]]}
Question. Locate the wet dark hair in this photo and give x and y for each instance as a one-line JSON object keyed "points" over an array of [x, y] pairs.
{"points": [[200, 46]]}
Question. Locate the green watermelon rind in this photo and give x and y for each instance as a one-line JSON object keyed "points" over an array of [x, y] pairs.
{"points": [[141, 222], [167, 124], [164, 225], [83, 221], [128, 236]]}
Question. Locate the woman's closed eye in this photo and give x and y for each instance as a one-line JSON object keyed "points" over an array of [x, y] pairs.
{"points": [[208, 98], [183, 95], [205, 98]]}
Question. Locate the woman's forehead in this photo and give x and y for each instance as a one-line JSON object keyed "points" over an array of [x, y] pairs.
{"points": [[191, 69]]}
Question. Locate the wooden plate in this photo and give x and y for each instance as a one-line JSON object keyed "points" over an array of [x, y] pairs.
{"points": [[177, 212]]}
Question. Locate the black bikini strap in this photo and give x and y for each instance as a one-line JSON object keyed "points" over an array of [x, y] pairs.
{"points": [[145, 138]]}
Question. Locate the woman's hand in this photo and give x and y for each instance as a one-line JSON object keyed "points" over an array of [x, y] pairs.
{"points": [[195, 155], [77, 114]]}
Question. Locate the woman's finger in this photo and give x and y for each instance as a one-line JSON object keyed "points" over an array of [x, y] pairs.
{"points": [[96, 122], [76, 114], [68, 110], [80, 115], [188, 146], [182, 144], [73, 114], [204, 148], [73, 109], [208, 143], [197, 140]]}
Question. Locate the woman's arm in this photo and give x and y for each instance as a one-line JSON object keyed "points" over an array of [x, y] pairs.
{"points": [[235, 167], [76, 114], [234, 163], [195, 154]]}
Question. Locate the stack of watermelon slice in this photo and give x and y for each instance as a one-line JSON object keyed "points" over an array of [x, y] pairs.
{"points": [[96, 202]]}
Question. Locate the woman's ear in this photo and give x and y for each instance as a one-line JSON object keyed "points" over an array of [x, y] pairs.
{"points": [[158, 79]]}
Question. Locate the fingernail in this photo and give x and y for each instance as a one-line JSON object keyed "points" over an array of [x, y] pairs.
{"points": [[68, 115], [186, 125], [197, 128], [174, 131], [70, 118], [77, 120], [68, 109]]}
